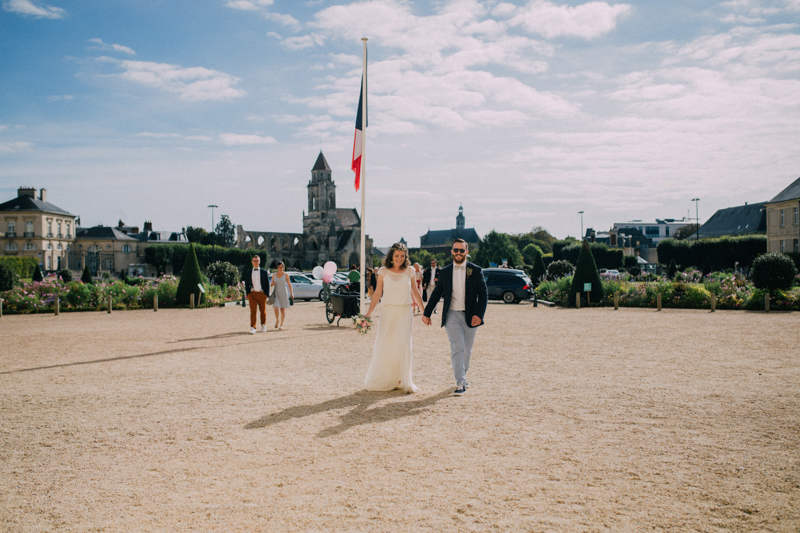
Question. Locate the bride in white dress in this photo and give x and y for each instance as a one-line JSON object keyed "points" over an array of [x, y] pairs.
{"points": [[390, 367]]}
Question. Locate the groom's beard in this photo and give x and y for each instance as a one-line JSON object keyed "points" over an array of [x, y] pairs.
{"points": [[459, 262]]}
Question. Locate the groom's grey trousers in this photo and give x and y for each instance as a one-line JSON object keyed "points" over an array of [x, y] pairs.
{"points": [[461, 340]]}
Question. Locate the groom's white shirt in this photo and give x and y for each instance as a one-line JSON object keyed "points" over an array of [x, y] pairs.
{"points": [[256, 277], [457, 302]]}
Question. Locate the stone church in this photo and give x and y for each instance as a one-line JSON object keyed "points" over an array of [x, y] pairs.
{"points": [[329, 233]]}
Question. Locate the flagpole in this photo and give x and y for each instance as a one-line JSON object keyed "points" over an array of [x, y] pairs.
{"points": [[363, 283]]}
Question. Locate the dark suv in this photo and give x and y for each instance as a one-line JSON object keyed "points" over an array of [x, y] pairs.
{"points": [[508, 284]]}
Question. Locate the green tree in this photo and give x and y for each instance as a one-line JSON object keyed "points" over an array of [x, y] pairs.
{"points": [[86, 277], [684, 232], [586, 272], [496, 246], [542, 234], [37, 274], [226, 232], [539, 270], [560, 245], [773, 271], [530, 253], [223, 273], [195, 234], [65, 275], [191, 277]]}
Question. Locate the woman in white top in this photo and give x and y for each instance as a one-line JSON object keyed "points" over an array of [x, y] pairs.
{"points": [[390, 367]]}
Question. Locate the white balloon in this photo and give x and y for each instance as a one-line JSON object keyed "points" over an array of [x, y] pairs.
{"points": [[330, 268], [318, 272]]}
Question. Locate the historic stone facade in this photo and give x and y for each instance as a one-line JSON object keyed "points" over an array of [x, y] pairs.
{"points": [[329, 233]]}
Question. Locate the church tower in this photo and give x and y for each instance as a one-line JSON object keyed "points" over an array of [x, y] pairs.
{"points": [[460, 219], [321, 192]]}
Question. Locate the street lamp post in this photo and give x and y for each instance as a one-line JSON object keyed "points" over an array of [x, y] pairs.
{"points": [[697, 217], [581, 213], [214, 240]]}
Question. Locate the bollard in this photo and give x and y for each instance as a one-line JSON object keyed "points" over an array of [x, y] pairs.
{"points": [[535, 300], [1, 307], [110, 300], [578, 300], [616, 301], [658, 301], [766, 303], [191, 301], [56, 303], [155, 302], [713, 302]]}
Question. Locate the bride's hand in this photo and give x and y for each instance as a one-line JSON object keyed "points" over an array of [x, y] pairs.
{"points": [[368, 315]]}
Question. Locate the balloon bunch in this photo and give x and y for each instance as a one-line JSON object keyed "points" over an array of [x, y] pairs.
{"points": [[325, 273]]}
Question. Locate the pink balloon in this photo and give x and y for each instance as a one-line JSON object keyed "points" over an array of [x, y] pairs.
{"points": [[327, 277], [330, 268]]}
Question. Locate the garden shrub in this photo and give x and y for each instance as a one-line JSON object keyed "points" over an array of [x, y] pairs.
{"points": [[65, 275], [37, 274], [586, 272], [635, 271], [539, 270], [630, 261], [672, 270], [773, 271], [223, 273], [8, 277], [22, 266], [86, 277], [559, 269], [191, 277]]}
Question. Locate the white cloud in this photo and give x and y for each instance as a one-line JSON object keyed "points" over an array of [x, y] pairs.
{"points": [[305, 41], [8, 147], [100, 45], [193, 84], [249, 5], [260, 7], [33, 9], [233, 139], [56, 98], [586, 21]]}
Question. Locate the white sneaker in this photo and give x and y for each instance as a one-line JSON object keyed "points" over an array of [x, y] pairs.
{"points": [[264, 328], [252, 331]]}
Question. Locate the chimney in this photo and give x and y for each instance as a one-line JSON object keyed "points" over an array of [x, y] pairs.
{"points": [[43, 194], [148, 226], [26, 191]]}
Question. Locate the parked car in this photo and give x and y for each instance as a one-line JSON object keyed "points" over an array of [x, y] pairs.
{"points": [[508, 284], [611, 274], [304, 287]]}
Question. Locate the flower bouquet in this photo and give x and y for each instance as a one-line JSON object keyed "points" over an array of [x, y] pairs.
{"points": [[362, 324]]}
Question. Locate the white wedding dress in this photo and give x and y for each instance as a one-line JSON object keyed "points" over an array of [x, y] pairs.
{"points": [[390, 367]]}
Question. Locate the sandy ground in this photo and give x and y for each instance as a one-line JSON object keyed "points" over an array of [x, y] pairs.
{"points": [[590, 420]]}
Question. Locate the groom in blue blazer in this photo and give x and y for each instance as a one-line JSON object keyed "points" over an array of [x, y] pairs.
{"points": [[463, 288]]}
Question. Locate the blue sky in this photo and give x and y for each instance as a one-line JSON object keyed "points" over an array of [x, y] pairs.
{"points": [[525, 111]]}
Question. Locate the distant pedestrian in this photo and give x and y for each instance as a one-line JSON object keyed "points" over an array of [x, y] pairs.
{"points": [[354, 277], [281, 295]]}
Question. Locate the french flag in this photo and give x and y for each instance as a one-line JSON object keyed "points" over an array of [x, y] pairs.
{"points": [[357, 141]]}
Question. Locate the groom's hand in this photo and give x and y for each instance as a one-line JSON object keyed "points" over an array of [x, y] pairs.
{"points": [[476, 321], [426, 320]]}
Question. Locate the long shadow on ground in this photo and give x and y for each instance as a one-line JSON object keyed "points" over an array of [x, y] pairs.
{"points": [[360, 415]]}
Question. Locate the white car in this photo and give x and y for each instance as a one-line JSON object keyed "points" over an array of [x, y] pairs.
{"points": [[305, 288], [611, 274]]}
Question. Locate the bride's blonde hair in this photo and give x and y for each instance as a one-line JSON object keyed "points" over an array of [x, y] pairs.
{"points": [[388, 261]]}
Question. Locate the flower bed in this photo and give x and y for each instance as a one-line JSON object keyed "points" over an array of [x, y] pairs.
{"points": [[39, 297], [732, 292]]}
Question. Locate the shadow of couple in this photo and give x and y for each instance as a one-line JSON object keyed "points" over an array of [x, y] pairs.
{"points": [[360, 414]]}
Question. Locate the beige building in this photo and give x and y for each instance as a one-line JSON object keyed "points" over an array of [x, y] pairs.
{"points": [[31, 226], [103, 248], [783, 220]]}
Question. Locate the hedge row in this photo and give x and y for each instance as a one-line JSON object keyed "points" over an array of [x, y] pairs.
{"points": [[722, 253], [161, 255], [604, 257]]}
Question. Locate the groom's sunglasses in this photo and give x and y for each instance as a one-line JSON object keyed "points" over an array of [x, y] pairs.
{"points": [[459, 250]]}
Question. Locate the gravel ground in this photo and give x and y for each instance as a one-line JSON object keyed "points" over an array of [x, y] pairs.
{"points": [[576, 420]]}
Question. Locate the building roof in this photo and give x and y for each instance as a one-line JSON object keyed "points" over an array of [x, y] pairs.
{"points": [[745, 219], [160, 236], [28, 203], [348, 216], [102, 232], [792, 192], [446, 236], [321, 164]]}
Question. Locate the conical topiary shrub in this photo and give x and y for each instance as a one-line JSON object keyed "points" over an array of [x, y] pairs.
{"points": [[190, 278], [37, 274], [672, 270], [586, 272], [539, 270], [707, 267], [86, 277]]}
